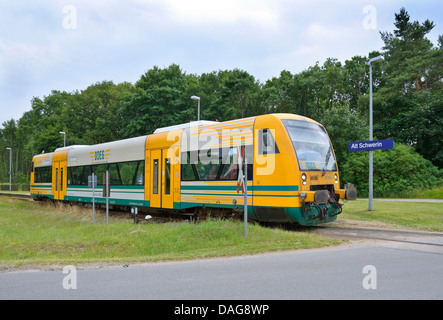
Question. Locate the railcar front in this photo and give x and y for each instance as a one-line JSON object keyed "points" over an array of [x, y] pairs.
{"points": [[315, 172], [41, 177]]}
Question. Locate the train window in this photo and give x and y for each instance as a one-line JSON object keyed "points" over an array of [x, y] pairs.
{"points": [[43, 175], [266, 142], [208, 164], [230, 167], [87, 171], [213, 165], [56, 179], [207, 172], [99, 171], [167, 176], [230, 160], [114, 174], [187, 169], [139, 177], [155, 177], [312, 146], [61, 179], [76, 174], [132, 173], [122, 173]]}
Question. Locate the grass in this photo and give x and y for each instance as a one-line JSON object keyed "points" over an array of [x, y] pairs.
{"points": [[425, 216], [435, 193], [33, 233]]}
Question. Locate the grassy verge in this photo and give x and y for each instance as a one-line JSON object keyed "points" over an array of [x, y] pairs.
{"points": [[43, 234], [413, 215], [435, 193]]}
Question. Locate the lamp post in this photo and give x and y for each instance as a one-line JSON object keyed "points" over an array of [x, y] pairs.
{"points": [[10, 167], [64, 138], [198, 99], [371, 154]]}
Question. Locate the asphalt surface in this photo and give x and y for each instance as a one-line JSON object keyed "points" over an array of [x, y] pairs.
{"points": [[399, 270], [376, 264]]}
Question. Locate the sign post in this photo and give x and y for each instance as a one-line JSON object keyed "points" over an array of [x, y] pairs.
{"points": [[242, 183], [371, 146], [107, 196], [245, 211], [92, 183], [106, 192]]}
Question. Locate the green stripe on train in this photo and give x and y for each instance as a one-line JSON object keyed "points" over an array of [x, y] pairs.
{"points": [[112, 201], [234, 188]]}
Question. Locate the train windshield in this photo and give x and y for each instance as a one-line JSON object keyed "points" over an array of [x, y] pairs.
{"points": [[312, 146]]}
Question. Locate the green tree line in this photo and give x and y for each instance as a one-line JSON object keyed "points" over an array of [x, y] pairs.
{"points": [[408, 107]]}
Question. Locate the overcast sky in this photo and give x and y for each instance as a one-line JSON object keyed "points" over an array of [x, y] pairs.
{"points": [[68, 45]]}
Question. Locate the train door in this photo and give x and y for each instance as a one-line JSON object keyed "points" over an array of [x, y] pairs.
{"points": [[167, 181], [59, 182], [161, 192]]}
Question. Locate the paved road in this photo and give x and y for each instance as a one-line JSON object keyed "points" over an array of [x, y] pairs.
{"points": [[331, 273]]}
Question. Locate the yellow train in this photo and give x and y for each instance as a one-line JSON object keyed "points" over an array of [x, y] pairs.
{"points": [[292, 171]]}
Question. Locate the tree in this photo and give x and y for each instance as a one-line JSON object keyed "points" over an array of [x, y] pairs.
{"points": [[356, 76], [95, 112], [343, 125], [9, 140], [280, 94], [159, 100], [410, 56], [395, 172], [238, 93]]}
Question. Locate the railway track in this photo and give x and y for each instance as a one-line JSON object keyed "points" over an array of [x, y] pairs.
{"points": [[431, 242], [22, 196], [156, 218]]}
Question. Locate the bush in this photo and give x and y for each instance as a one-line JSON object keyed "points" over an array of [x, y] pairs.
{"points": [[395, 172]]}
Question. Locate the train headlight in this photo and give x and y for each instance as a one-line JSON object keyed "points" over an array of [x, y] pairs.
{"points": [[336, 178], [304, 178]]}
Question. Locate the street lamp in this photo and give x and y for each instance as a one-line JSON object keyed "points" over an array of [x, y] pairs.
{"points": [[10, 167], [198, 99], [371, 155], [64, 138]]}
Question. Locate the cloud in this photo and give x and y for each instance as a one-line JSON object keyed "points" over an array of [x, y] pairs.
{"points": [[119, 40], [19, 52], [203, 12], [324, 33]]}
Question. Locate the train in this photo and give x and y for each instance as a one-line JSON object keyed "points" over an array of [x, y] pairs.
{"points": [[198, 168]]}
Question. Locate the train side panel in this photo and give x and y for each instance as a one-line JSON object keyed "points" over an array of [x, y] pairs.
{"points": [[276, 186], [162, 186], [209, 157], [125, 161]]}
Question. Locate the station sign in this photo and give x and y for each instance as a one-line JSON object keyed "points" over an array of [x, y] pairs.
{"points": [[371, 145]]}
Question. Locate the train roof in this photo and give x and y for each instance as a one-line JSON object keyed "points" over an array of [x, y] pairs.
{"points": [[132, 149], [192, 124]]}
